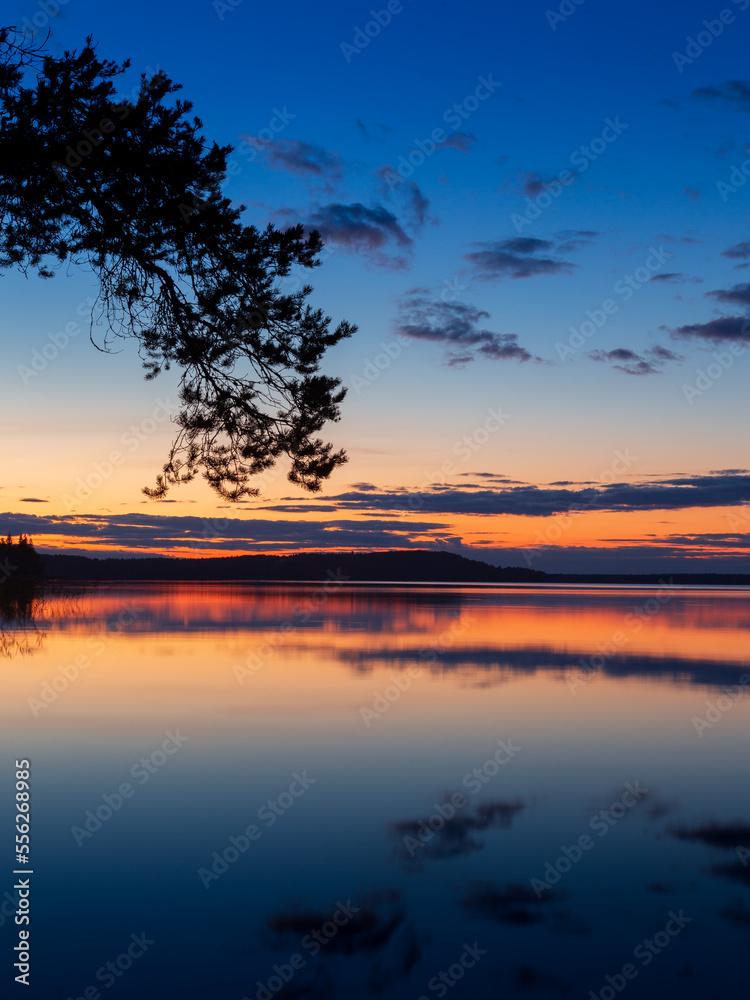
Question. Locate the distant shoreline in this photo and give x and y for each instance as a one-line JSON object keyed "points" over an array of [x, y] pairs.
{"points": [[410, 568]]}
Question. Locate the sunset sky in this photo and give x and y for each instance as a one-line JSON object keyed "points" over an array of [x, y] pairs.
{"points": [[539, 223]]}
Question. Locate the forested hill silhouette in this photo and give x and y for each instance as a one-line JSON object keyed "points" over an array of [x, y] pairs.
{"points": [[398, 566]]}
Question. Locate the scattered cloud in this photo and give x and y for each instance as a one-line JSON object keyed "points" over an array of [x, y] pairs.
{"points": [[418, 206], [186, 534], [462, 141], [459, 327], [738, 295], [373, 131], [524, 256], [303, 159], [722, 488], [719, 330], [574, 239], [676, 278], [651, 362], [734, 94], [740, 251], [373, 231], [533, 183]]}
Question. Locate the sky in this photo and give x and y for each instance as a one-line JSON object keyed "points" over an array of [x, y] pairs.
{"points": [[536, 215]]}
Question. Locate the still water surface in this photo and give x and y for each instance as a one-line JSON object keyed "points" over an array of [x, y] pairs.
{"points": [[297, 792]]}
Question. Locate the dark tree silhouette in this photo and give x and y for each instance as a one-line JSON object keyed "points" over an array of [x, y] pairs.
{"points": [[19, 560], [132, 190]]}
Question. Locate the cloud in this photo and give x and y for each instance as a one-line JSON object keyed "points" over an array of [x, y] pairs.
{"points": [[664, 354], [407, 195], [32, 500], [625, 361], [737, 295], [374, 519], [303, 159], [462, 141], [676, 278], [373, 231], [734, 94], [418, 205], [186, 534], [693, 236], [487, 475], [575, 239], [532, 183], [374, 131], [719, 330], [724, 488], [518, 257], [740, 251], [651, 362], [458, 326]]}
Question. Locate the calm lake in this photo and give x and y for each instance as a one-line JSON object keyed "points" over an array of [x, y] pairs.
{"points": [[244, 791]]}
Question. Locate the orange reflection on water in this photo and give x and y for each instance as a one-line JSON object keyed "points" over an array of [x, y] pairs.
{"points": [[233, 650]]}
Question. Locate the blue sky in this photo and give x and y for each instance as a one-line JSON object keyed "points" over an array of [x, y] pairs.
{"points": [[480, 302]]}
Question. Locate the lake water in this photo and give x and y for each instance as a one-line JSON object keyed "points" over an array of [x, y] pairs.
{"points": [[344, 792]]}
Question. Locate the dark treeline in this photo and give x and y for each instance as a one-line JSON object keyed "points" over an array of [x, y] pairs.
{"points": [[19, 560], [402, 567], [417, 566], [21, 581]]}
